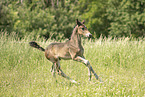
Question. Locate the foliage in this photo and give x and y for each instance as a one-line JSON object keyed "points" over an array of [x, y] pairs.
{"points": [[37, 20], [93, 11], [127, 17], [24, 71], [55, 19], [5, 17]]}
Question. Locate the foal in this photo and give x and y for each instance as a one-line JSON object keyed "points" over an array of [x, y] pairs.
{"points": [[71, 49]]}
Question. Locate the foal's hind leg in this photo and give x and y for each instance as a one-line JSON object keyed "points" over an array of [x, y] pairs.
{"points": [[53, 69], [60, 72]]}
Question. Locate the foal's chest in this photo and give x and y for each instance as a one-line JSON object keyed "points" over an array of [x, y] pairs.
{"points": [[80, 51]]}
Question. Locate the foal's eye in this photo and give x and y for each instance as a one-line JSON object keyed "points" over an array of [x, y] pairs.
{"points": [[82, 28]]}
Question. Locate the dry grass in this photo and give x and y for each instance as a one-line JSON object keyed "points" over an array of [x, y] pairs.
{"points": [[24, 71]]}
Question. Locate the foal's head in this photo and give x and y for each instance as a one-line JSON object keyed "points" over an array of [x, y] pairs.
{"points": [[82, 29]]}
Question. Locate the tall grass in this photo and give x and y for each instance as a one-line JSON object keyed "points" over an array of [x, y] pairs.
{"points": [[120, 63]]}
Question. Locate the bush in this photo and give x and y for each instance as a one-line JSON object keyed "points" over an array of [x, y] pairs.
{"points": [[127, 18], [55, 23]]}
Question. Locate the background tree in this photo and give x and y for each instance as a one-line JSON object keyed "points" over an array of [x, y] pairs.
{"points": [[94, 12], [127, 17], [56, 18], [37, 17]]}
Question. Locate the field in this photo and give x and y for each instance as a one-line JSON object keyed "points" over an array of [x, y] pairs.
{"points": [[25, 72]]}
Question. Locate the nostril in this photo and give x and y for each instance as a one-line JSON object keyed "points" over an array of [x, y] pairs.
{"points": [[90, 35]]}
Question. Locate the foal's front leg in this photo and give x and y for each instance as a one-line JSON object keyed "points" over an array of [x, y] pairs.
{"points": [[87, 63]]}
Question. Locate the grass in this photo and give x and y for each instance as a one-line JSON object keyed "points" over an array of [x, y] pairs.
{"points": [[24, 71]]}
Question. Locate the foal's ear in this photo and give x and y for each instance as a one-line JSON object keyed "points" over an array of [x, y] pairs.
{"points": [[83, 21], [78, 22]]}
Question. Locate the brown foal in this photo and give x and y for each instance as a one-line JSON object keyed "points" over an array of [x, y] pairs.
{"points": [[71, 49]]}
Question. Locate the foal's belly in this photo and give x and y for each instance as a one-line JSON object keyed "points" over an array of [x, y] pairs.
{"points": [[64, 55]]}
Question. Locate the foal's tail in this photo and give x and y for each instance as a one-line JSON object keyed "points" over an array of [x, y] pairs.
{"points": [[35, 45]]}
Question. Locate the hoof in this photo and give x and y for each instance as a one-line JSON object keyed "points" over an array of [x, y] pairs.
{"points": [[73, 81], [100, 80]]}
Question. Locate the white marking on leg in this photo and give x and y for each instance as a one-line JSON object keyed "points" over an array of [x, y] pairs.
{"points": [[73, 81], [83, 60], [90, 74]]}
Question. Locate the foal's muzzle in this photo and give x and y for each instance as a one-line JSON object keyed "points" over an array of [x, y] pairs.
{"points": [[89, 35]]}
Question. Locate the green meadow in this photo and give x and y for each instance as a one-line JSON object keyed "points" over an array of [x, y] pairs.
{"points": [[25, 72]]}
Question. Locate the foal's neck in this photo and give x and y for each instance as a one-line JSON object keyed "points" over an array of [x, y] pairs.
{"points": [[75, 37]]}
